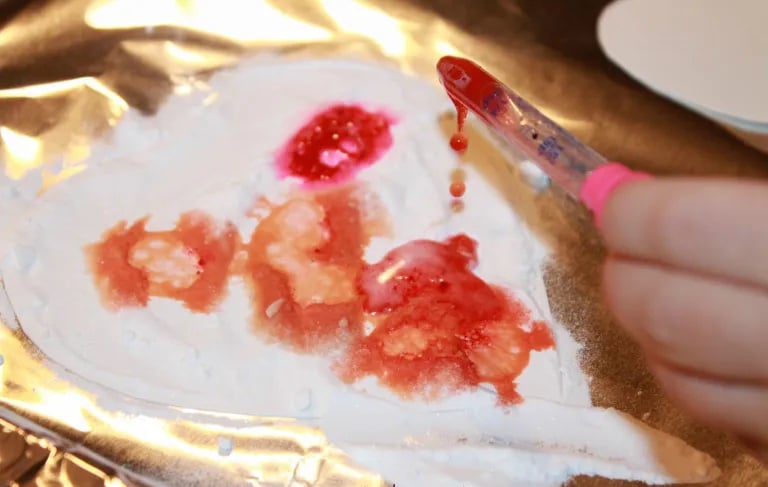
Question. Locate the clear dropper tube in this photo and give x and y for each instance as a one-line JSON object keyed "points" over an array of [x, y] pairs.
{"points": [[558, 153], [565, 159]]}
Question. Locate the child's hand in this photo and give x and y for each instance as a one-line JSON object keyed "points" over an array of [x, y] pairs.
{"points": [[688, 279]]}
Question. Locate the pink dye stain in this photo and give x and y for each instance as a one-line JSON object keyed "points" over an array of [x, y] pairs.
{"points": [[335, 144]]}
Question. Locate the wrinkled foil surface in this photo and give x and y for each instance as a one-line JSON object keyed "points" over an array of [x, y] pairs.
{"points": [[71, 69]]}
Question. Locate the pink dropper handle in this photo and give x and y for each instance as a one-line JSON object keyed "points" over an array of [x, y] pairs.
{"points": [[602, 182]]}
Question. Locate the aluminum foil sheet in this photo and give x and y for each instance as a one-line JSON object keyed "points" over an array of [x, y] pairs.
{"points": [[71, 69]]}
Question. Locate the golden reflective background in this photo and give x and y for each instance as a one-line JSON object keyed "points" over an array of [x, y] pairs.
{"points": [[70, 69]]}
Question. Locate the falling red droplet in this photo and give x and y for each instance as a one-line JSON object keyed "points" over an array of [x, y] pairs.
{"points": [[458, 189], [335, 144], [459, 142]]}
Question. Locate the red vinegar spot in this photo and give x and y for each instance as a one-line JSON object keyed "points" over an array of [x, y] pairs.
{"points": [[457, 189], [540, 337], [189, 263], [121, 285], [304, 262], [335, 144], [439, 327]]}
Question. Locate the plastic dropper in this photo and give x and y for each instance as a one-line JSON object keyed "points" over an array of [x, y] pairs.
{"points": [[578, 169]]}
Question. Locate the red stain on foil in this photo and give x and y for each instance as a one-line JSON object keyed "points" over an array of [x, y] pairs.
{"points": [[438, 327], [335, 144], [189, 263]]}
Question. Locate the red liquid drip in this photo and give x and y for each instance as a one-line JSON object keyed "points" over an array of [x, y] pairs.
{"points": [[335, 144], [439, 327], [304, 261], [189, 263], [468, 86], [459, 141], [461, 113]]}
